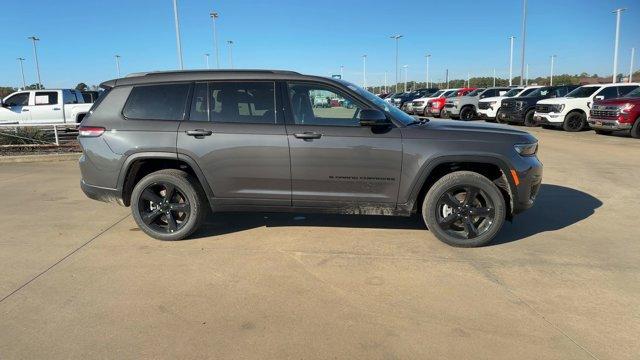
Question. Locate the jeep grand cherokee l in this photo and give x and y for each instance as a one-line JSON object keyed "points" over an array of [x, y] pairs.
{"points": [[173, 145]]}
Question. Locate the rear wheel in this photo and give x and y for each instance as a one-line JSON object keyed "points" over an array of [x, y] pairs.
{"points": [[574, 122], [464, 209], [168, 204], [467, 113], [528, 119]]}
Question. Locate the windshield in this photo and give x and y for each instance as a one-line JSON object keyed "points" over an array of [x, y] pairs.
{"points": [[437, 93], [583, 92], [475, 92], [512, 93], [526, 92], [381, 104], [634, 94], [543, 91], [450, 94]]}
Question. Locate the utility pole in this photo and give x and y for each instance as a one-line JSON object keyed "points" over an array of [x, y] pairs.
{"points": [[397, 38], [526, 82], [524, 39], [214, 15], [364, 71], [405, 77], [511, 60], [117, 57], [494, 77], [177, 23], [633, 55], [385, 83], [230, 45], [206, 59], [615, 46], [24, 83], [35, 55], [446, 78], [553, 57], [428, 82], [341, 72]]}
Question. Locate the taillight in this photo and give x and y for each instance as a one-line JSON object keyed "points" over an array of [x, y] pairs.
{"points": [[90, 131]]}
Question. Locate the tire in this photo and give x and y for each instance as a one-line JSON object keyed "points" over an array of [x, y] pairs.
{"points": [[603, 132], [467, 113], [425, 112], [635, 130], [574, 122], [528, 119], [499, 116], [455, 224], [152, 216]]}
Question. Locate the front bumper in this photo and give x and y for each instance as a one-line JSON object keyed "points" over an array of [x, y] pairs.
{"points": [[434, 111], [529, 182], [486, 113], [608, 124], [548, 118], [513, 116], [451, 110]]}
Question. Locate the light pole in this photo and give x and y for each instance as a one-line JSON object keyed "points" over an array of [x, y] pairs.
{"points": [[214, 15], [511, 60], [177, 23], [385, 83], [633, 55], [24, 83], [364, 71], [468, 79], [397, 38], [553, 57], [526, 82], [35, 55], [117, 57], [428, 82], [494, 77], [230, 45], [206, 59], [524, 39], [341, 72], [405, 77], [446, 78], [615, 46]]}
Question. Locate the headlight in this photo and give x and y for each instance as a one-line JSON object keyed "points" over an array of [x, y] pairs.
{"points": [[456, 102], [418, 103], [526, 149], [493, 103], [626, 108], [558, 108]]}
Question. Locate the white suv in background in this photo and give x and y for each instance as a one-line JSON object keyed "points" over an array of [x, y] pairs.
{"points": [[489, 108], [570, 112], [419, 106]]}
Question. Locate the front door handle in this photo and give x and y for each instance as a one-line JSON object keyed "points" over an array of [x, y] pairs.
{"points": [[56, 108], [199, 133], [308, 135], [23, 110]]}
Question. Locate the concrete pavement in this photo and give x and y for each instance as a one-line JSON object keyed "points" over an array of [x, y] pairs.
{"points": [[79, 280]]}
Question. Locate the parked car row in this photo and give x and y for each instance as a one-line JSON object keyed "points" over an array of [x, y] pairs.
{"points": [[602, 107]]}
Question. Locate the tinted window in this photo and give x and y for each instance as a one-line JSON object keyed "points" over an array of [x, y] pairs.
{"points": [[526, 92], [21, 99], [624, 90], [319, 105], [633, 94], [234, 102], [46, 97], [583, 91], [157, 102], [609, 93], [70, 97]]}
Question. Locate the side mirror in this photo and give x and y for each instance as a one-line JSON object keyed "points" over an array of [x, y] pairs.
{"points": [[2, 103], [372, 117], [599, 97]]}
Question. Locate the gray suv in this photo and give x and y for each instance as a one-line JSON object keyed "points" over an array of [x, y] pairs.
{"points": [[176, 145]]}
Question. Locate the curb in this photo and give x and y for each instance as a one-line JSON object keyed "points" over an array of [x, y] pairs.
{"points": [[40, 158]]}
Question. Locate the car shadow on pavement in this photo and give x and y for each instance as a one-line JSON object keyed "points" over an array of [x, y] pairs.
{"points": [[556, 207]]}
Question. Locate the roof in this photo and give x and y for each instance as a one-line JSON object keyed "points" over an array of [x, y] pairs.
{"points": [[204, 75]]}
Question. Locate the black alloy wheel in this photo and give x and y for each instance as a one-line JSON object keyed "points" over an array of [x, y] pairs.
{"points": [[574, 122], [467, 114], [465, 212], [164, 207]]}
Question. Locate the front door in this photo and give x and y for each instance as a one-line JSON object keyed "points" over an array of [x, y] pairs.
{"points": [[336, 162], [238, 139], [15, 108]]}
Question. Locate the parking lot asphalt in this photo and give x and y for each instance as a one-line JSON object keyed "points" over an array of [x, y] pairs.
{"points": [[79, 280]]}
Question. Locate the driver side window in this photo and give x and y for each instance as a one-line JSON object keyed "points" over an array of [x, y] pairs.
{"points": [[321, 106], [21, 99]]}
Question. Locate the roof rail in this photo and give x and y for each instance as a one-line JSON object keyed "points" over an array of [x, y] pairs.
{"points": [[169, 72]]}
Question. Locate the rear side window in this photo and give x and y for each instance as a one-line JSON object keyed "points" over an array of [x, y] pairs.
{"points": [[46, 97], [157, 102], [609, 93]]}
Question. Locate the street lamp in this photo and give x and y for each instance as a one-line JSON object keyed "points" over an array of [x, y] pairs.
{"points": [[494, 77], [524, 39], [553, 57], [206, 59], [428, 82], [385, 83], [405, 77], [214, 15], [526, 78], [511, 60], [396, 37], [230, 46], [633, 55], [364, 71], [35, 55], [24, 83], [117, 64], [177, 23], [341, 72], [615, 47]]}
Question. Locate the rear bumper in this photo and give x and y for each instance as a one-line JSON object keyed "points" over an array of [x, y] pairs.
{"points": [[608, 124], [101, 194]]}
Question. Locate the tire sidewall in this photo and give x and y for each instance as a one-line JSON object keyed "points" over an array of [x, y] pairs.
{"points": [[465, 111], [429, 207], [528, 119], [186, 186], [566, 124]]}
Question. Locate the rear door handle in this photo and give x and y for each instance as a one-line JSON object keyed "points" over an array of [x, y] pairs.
{"points": [[199, 133], [308, 135], [56, 108]]}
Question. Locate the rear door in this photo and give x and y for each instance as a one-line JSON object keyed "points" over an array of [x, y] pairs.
{"points": [[238, 139], [47, 107], [335, 162]]}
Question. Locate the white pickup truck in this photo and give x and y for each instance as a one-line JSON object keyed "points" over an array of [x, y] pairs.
{"points": [[43, 107]]}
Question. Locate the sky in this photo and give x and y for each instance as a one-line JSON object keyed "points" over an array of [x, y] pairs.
{"points": [[80, 38]]}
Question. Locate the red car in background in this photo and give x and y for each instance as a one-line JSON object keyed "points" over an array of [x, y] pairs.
{"points": [[436, 106], [622, 113]]}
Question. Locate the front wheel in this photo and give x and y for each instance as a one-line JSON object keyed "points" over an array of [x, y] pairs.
{"points": [[464, 209], [168, 204], [635, 130], [528, 119], [500, 116], [574, 122], [467, 114]]}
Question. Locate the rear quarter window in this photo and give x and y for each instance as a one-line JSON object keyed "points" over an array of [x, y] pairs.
{"points": [[157, 102]]}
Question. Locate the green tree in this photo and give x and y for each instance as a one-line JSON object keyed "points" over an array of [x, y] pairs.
{"points": [[35, 87], [81, 87]]}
